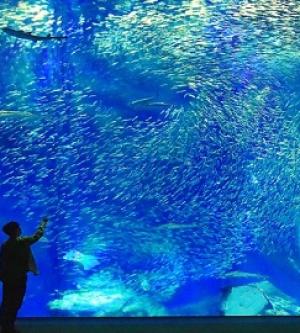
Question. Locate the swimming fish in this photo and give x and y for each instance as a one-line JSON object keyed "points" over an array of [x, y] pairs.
{"points": [[8, 113], [86, 260], [148, 104], [29, 35], [178, 226], [142, 101]]}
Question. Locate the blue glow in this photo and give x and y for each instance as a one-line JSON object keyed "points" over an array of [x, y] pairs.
{"points": [[161, 138]]}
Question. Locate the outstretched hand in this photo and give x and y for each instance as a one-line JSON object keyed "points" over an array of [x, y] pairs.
{"points": [[45, 219]]}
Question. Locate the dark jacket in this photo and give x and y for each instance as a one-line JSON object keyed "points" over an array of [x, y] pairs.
{"points": [[16, 258]]}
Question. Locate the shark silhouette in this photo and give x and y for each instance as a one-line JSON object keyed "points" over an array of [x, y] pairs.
{"points": [[29, 35]]}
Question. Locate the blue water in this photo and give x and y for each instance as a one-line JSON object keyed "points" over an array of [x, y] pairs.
{"points": [[161, 138]]}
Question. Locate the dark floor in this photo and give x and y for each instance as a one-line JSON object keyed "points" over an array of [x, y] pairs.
{"points": [[161, 325]]}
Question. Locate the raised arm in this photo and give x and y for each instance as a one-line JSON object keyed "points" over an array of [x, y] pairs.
{"points": [[38, 234]]}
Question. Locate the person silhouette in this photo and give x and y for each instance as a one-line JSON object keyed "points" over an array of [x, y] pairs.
{"points": [[16, 259]]}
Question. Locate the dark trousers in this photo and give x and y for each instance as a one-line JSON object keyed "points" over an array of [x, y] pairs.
{"points": [[13, 294]]}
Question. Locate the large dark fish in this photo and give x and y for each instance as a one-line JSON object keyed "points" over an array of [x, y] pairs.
{"points": [[29, 36]]}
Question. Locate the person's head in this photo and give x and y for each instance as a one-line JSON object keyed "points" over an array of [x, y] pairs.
{"points": [[12, 229]]}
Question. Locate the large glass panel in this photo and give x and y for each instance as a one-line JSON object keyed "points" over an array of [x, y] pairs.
{"points": [[161, 138]]}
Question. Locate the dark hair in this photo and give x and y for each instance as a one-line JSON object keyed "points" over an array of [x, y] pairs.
{"points": [[10, 228]]}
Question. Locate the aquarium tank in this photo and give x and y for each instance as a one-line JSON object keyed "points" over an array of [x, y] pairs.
{"points": [[161, 138]]}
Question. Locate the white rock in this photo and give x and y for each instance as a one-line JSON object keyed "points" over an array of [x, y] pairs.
{"points": [[245, 301]]}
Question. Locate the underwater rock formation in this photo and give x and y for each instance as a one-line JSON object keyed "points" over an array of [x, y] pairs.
{"points": [[245, 300], [259, 299]]}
